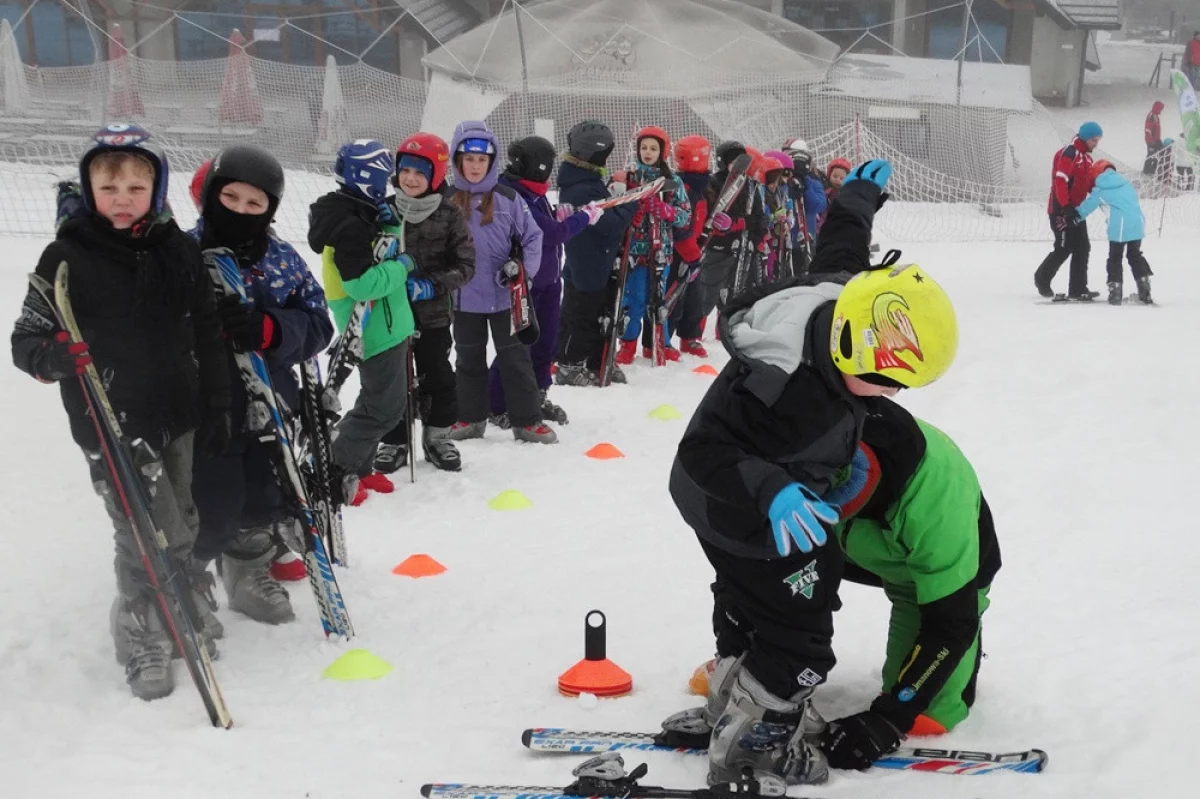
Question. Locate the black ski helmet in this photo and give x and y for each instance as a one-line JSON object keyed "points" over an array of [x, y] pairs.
{"points": [[727, 153], [590, 141], [531, 158], [246, 163]]}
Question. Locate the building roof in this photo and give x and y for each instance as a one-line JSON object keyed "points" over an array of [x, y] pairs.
{"points": [[444, 19], [1104, 15]]}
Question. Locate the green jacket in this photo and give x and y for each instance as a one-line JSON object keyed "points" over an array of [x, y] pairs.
{"points": [[343, 230], [917, 523]]}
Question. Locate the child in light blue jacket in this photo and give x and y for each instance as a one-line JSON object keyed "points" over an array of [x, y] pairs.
{"points": [[1126, 228]]}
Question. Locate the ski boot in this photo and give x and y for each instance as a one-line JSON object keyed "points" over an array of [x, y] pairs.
{"points": [[535, 433], [669, 353], [500, 420], [347, 485], [142, 646], [574, 374], [248, 583], [389, 458], [204, 596], [440, 450], [692, 346], [462, 431], [1115, 294], [693, 727], [1042, 286], [1084, 296], [776, 738], [626, 353], [550, 411], [1143, 284], [379, 483]]}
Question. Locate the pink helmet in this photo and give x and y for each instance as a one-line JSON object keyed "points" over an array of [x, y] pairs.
{"points": [[780, 156]]}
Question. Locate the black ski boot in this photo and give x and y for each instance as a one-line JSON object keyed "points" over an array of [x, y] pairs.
{"points": [[1115, 295], [1085, 296], [1143, 284], [550, 411], [440, 449], [390, 457]]}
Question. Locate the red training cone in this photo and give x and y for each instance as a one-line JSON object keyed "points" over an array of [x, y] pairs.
{"points": [[595, 674]]}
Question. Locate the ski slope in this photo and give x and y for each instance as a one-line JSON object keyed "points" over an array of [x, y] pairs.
{"points": [[1080, 421]]}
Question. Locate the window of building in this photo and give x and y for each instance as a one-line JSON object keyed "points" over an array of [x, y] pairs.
{"points": [[200, 36], [844, 22], [987, 34], [49, 34]]}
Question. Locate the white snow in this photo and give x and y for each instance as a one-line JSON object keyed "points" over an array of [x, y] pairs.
{"points": [[1079, 420]]}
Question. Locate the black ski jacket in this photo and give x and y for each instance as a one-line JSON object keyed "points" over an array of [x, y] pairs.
{"points": [[145, 306]]}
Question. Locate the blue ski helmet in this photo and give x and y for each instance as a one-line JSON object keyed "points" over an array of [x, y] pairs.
{"points": [[365, 168], [124, 137]]}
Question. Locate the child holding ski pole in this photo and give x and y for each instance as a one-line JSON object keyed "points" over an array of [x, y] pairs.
{"points": [[361, 245], [237, 492], [140, 290], [501, 227]]}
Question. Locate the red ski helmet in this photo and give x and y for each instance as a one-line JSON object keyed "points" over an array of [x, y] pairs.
{"points": [[693, 153], [838, 163], [785, 160], [655, 132], [760, 165], [198, 182], [1100, 167], [430, 147]]}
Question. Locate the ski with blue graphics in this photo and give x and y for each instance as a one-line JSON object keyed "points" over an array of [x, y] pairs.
{"points": [[962, 762], [265, 418]]}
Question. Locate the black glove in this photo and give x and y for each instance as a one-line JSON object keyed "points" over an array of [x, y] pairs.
{"points": [[246, 327], [215, 432], [855, 742], [59, 358], [1067, 217]]}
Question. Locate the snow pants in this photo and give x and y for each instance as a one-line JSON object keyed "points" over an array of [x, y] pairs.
{"points": [[1070, 242], [1132, 251], [952, 704], [716, 276], [235, 491], [581, 337], [779, 613], [689, 311], [437, 387], [172, 508], [636, 287], [516, 370], [382, 398], [547, 308]]}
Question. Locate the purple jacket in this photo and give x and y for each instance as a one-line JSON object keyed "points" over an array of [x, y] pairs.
{"points": [[510, 220], [554, 233]]}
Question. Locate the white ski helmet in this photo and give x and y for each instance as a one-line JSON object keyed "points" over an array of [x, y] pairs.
{"points": [[801, 157]]}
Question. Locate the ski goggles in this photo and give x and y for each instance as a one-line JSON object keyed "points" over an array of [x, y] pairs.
{"points": [[477, 146]]}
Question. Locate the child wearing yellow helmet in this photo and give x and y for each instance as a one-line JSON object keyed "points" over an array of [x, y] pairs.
{"points": [[781, 421]]}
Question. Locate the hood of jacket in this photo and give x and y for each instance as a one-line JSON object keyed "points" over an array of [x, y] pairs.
{"points": [[1158, 107], [473, 129], [1110, 179], [770, 333], [330, 211]]}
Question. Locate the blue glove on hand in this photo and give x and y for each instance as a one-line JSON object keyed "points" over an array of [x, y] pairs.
{"points": [[796, 516], [420, 289], [860, 483], [386, 247], [877, 171]]}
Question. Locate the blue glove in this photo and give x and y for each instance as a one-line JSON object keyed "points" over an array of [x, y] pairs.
{"points": [[420, 289], [386, 247], [876, 171], [796, 516], [858, 485]]}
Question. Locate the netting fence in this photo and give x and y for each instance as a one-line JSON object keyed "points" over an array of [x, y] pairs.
{"points": [[970, 147]]}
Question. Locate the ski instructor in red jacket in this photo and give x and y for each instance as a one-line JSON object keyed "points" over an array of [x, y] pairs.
{"points": [[1071, 181]]}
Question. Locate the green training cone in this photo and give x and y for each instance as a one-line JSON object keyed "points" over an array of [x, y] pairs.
{"points": [[510, 500], [665, 413], [357, 664]]}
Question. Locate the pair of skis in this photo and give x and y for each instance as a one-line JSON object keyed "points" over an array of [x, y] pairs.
{"points": [[264, 413], [172, 591], [604, 776]]}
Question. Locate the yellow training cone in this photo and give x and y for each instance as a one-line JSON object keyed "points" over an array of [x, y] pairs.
{"points": [[357, 664], [510, 500], [665, 413]]}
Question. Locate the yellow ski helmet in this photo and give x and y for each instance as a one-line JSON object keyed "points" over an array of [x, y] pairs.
{"points": [[895, 322]]}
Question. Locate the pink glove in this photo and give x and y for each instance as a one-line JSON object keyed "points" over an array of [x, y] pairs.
{"points": [[663, 210], [563, 211], [593, 212], [617, 184], [722, 222]]}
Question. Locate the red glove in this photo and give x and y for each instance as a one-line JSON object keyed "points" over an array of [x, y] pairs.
{"points": [[661, 209]]}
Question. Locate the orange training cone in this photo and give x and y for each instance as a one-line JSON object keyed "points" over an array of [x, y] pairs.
{"points": [[604, 452], [595, 674], [706, 369], [418, 566]]}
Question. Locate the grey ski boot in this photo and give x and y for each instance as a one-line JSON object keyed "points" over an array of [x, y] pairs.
{"points": [[693, 727], [142, 646], [776, 738], [390, 457], [535, 433], [204, 596], [1115, 294], [462, 431], [440, 449], [246, 573], [1143, 284], [550, 411]]}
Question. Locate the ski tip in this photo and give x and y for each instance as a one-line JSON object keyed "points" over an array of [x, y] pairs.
{"points": [[426, 789], [526, 738], [1042, 759]]}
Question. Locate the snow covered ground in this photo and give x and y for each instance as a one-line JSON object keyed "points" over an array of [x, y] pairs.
{"points": [[1079, 420]]}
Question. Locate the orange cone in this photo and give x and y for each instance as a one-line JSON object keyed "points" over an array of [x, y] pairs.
{"points": [[595, 674], [604, 452], [418, 566], [706, 369]]}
